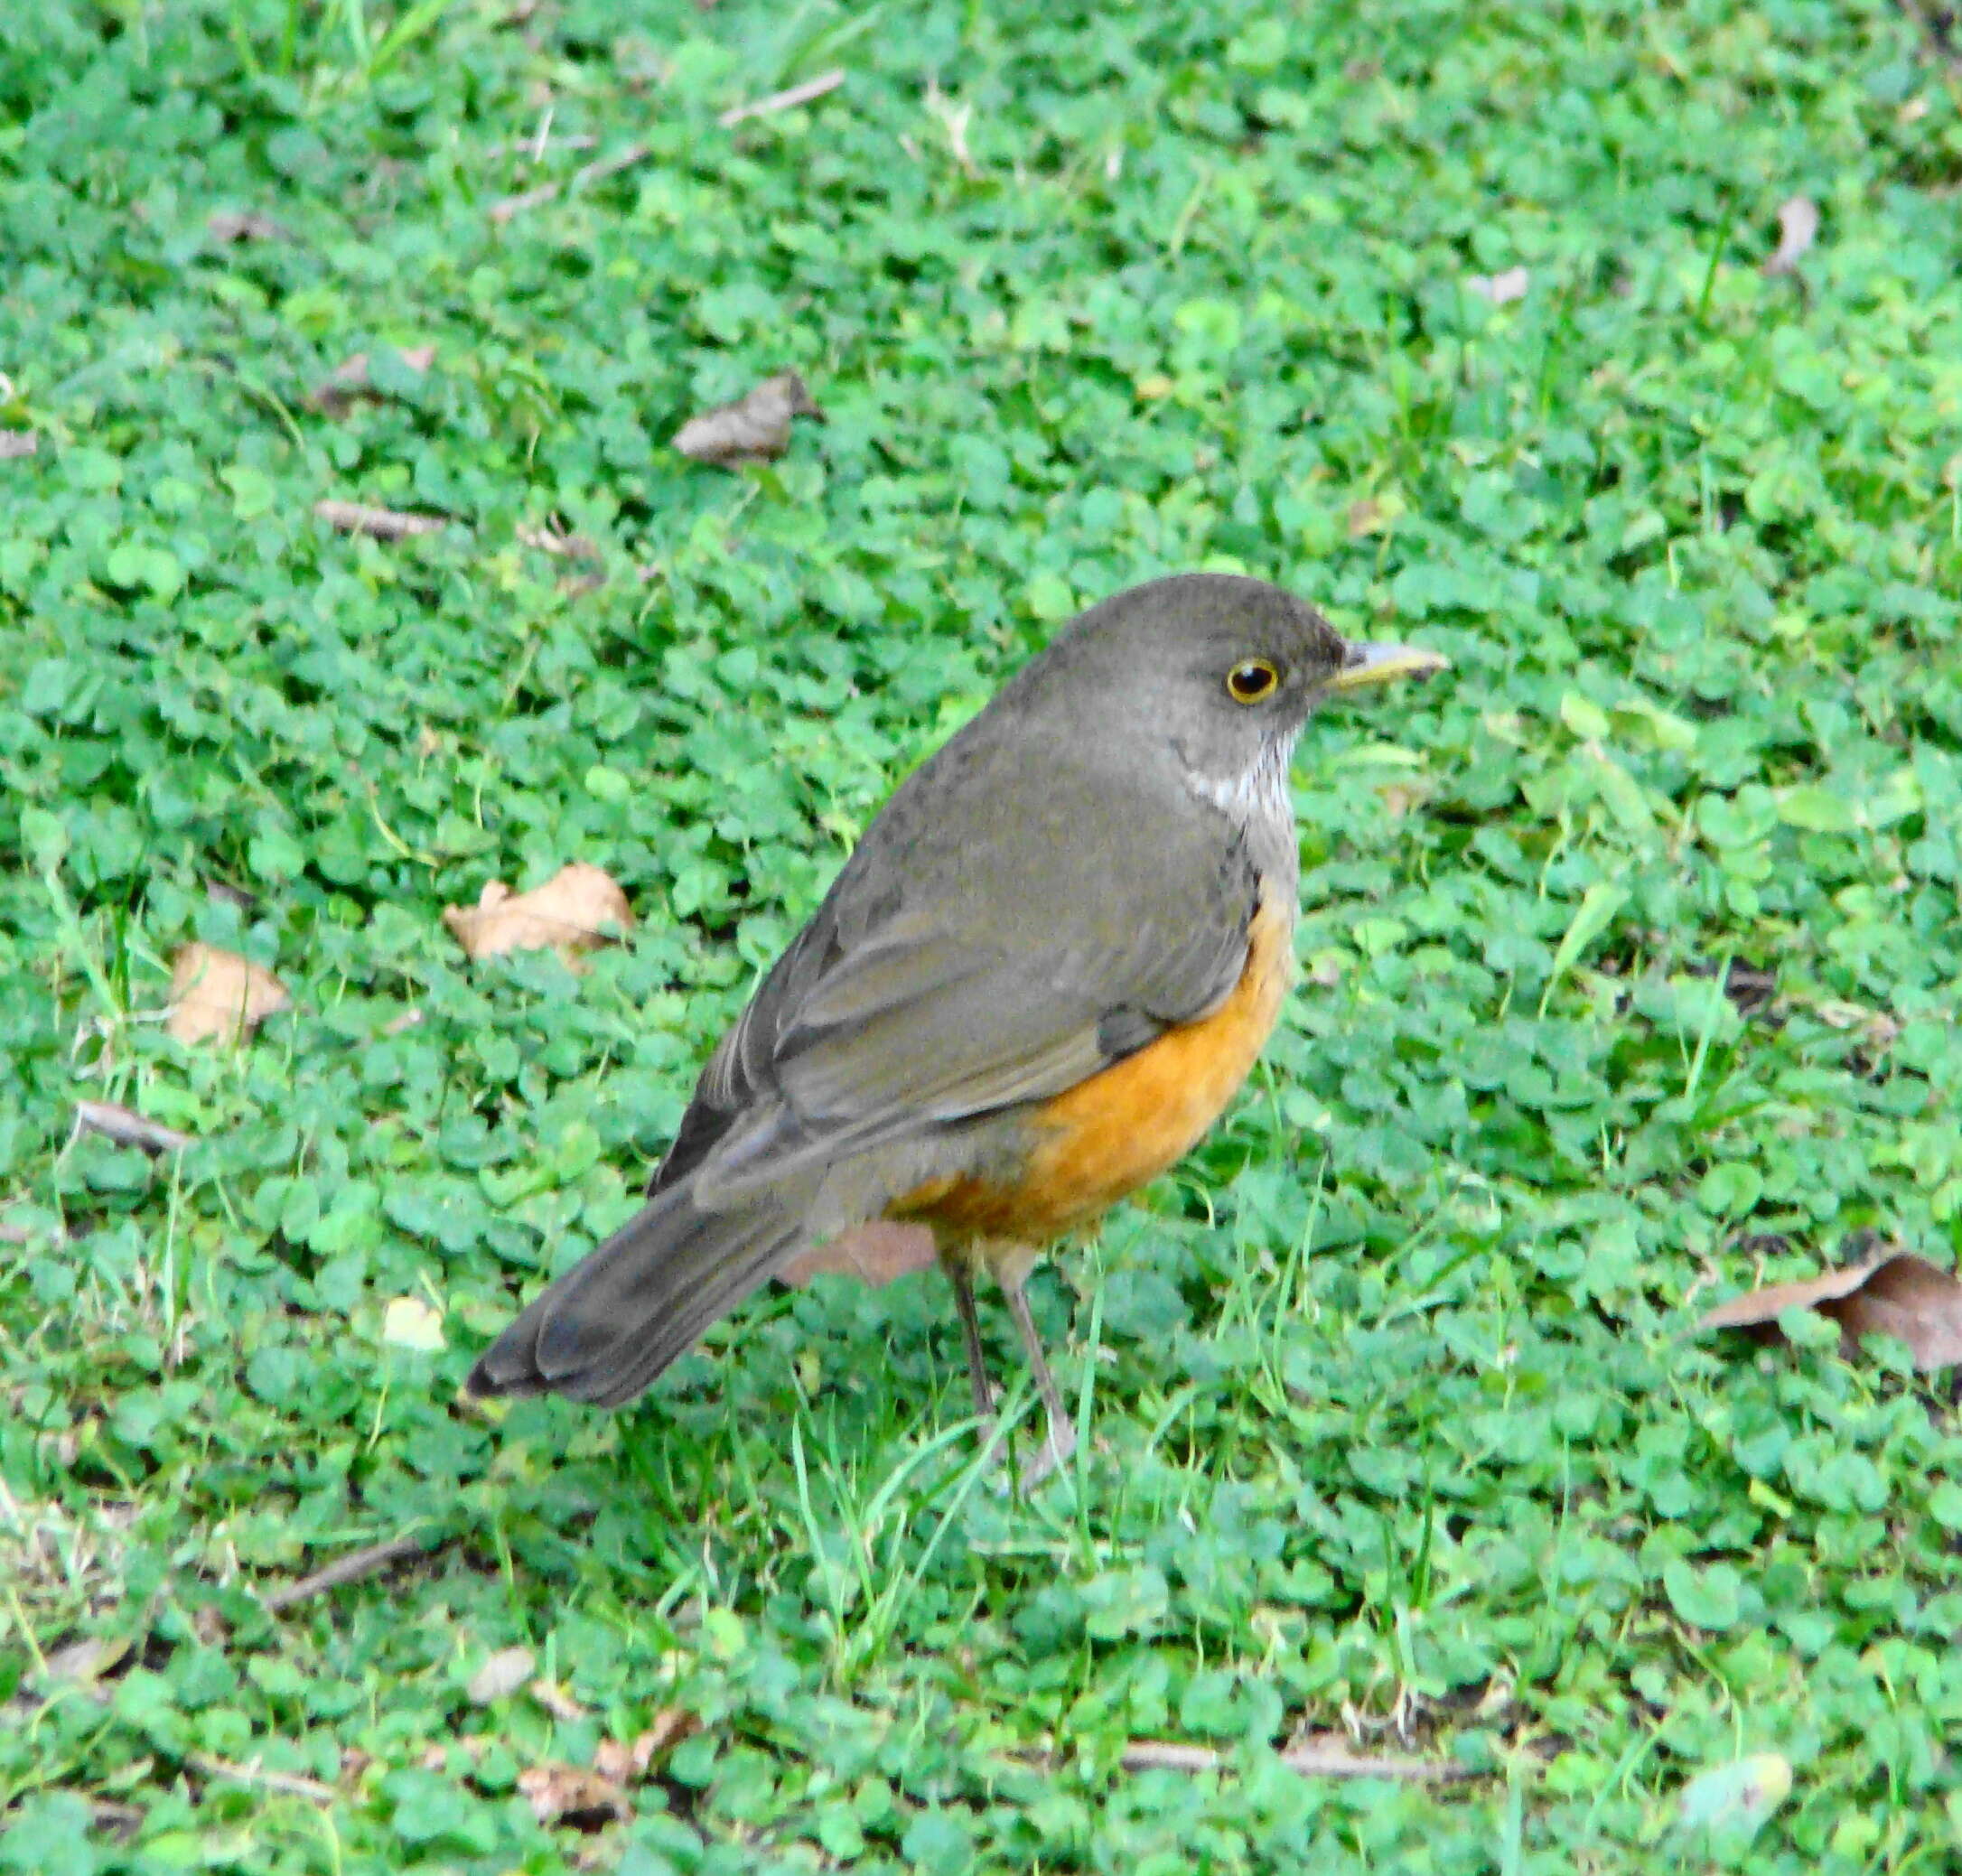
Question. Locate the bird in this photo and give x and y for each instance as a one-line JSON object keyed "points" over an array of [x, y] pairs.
{"points": [[1040, 977]]}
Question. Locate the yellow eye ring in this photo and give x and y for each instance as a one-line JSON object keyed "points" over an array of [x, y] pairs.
{"points": [[1253, 680]]}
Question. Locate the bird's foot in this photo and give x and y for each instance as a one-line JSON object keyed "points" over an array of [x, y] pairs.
{"points": [[1056, 1448]]}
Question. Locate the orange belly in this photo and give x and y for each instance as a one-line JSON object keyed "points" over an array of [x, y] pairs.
{"points": [[1108, 1135]]}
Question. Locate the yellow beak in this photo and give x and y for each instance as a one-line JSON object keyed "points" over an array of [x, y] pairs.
{"points": [[1379, 664]]}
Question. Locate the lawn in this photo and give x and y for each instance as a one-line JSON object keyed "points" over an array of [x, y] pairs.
{"points": [[1631, 950]]}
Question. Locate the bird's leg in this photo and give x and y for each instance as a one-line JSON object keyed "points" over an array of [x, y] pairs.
{"points": [[970, 1334], [1062, 1432]]}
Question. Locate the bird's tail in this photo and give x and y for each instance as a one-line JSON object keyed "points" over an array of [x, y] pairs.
{"points": [[610, 1325]]}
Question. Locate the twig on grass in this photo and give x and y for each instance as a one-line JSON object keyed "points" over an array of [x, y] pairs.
{"points": [[583, 177], [288, 1784], [785, 100], [123, 1126], [377, 524], [357, 1566], [1314, 1757]]}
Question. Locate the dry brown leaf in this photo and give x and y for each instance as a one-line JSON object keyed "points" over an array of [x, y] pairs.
{"points": [[1798, 228], [569, 1794], [377, 524], [1364, 517], [1501, 289], [89, 1660], [560, 544], [875, 1253], [784, 100], [126, 1127], [568, 913], [755, 428], [1897, 1295], [624, 1761], [1398, 798], [553, 1698], [18, 443], [349, 382], [500, 1676], [218, 995], [471, 1746], [228, 225], [223, 893]]}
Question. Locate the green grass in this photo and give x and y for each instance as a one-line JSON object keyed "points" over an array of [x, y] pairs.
{"points": [[1396, 1424]]}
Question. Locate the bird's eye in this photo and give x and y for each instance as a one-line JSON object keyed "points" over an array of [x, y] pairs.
{"points": [[1253, 680]]}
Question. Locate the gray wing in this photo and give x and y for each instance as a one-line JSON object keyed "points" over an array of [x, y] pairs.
{"points": [[946, 975]]}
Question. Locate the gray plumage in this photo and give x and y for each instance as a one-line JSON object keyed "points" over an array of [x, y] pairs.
{"points": [[1070, 875]]}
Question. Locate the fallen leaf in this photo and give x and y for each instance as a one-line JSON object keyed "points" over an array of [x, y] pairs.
{"points": [[89, 1660], [1798, 228], [623, 1760], [219, 995], [1398, 798], [223, 893], [1501, 289], [377, 524], [553, 1698], [563, 547], [126, 1127], [350, 381], [1364, 517], [18, 443], [500, 1676], [471, 1746], [409, 1323], [1878, 1029], [117, 1821], [1897, 1295], [228, 225], [755, 428], [568, 913], [875, 1253], [1737, 1796], [568, 1793]]}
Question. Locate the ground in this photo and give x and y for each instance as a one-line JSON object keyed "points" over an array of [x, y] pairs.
{"points": [[1631, 950]]}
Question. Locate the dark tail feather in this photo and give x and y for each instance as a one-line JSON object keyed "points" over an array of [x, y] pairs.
{"points": [[607, 1327]]}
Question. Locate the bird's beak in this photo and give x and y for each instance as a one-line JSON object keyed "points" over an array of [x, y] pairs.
{"points": [[1379, 664]]}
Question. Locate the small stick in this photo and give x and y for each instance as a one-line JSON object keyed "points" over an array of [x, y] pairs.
{"points": [[784, 100], [377, 524], [1313, 1758], [355, 1567], [596, 171], [126, 1127], [291, 1784]]}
